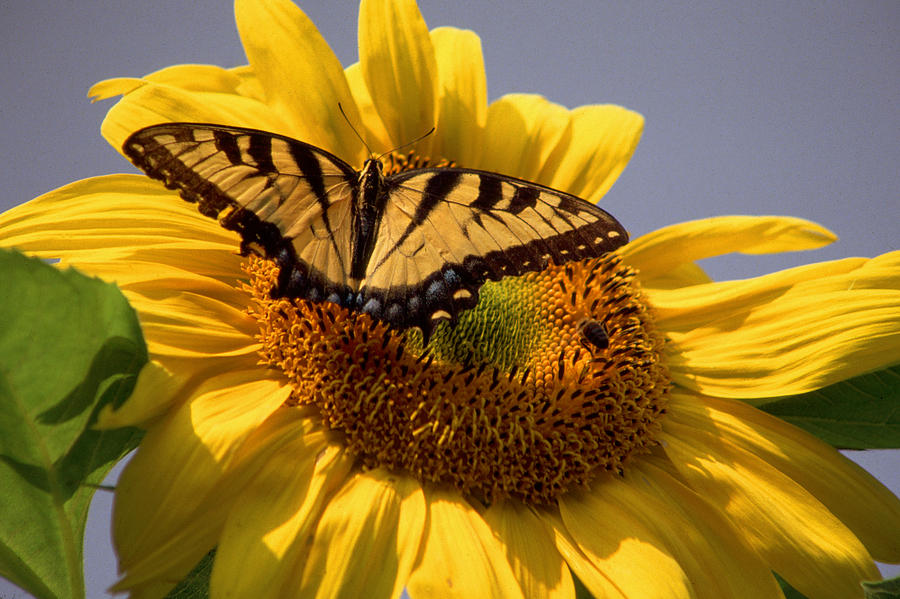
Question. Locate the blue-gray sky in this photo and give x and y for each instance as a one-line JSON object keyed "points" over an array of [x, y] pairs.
{"points": [[752, 108]]}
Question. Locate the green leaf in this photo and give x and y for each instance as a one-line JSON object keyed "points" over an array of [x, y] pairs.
{"points": [[882, 589], [196, 584], [859, 413], [69, 344]]}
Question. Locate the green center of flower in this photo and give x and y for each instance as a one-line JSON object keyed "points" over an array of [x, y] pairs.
{"points": [[553, 378]]}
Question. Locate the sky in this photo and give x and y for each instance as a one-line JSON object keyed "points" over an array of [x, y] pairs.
{"points": [[754, 108]]}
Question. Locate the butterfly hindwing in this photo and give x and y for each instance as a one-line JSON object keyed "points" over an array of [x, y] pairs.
{"points": [[412, 250]]}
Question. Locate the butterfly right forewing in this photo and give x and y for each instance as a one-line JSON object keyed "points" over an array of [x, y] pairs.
{"points": [[462, 227]]}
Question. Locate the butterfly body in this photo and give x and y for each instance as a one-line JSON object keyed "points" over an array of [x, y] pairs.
{"points": [[367, 216], [410, 249]]}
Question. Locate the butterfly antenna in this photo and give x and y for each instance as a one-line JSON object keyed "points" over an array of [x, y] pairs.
{"points": [[360, 137], [411, 143]]}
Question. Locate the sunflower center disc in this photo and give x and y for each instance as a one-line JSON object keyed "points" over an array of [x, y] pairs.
{"points": [[553, 378]]}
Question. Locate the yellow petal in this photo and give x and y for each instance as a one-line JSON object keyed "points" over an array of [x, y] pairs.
{"points": [[719, 564], [462, 90], [862, 503], [803, 541], [250, 85], [788, 332], [267, 534], [126, 212], [131, 231], [528, 542], [376, 517], [684, 275], [583, 565], [656, 254], [302, 78], [172, 559], [212, 270], [153, 103], [110, 88], [156, 390], [182, 457], [619, 544], [216, 315], [194, 77], [522, 131], [398, 65], [198, 77], [462, 558], [187, 324], [371, 127], [603, 140]]}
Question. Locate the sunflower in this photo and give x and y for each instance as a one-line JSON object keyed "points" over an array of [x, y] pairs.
{"points": [[590, 421]]}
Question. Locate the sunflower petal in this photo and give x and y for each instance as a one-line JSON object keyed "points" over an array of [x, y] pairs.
{"points": [[200, 530], [194, 77], [684, 275], [603, 140], [154, 393], [463, 95], [371, 126], [522, 131], [85, 219], [803, 541], [705, 543], [622, 548], [528, 541], [198, 77], [266, 536], [250, 84], [182, 457], [154, 103], [656, 254], [292, 60], [116, 86], [399, 67], [583, 565], [871, 511], [461, 556], [360, 526], [785, 333]]}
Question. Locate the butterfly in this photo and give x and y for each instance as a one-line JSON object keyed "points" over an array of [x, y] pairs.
{"points": [[411, 249]]}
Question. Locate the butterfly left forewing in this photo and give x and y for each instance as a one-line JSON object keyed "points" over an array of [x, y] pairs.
{"points": [[288, 200]]}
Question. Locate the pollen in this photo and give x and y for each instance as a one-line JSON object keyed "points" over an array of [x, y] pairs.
{"points": [[552, 379], [395, 162]]}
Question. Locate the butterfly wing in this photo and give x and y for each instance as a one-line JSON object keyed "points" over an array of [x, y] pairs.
{"points": [[447, 231], [288, 200]]}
